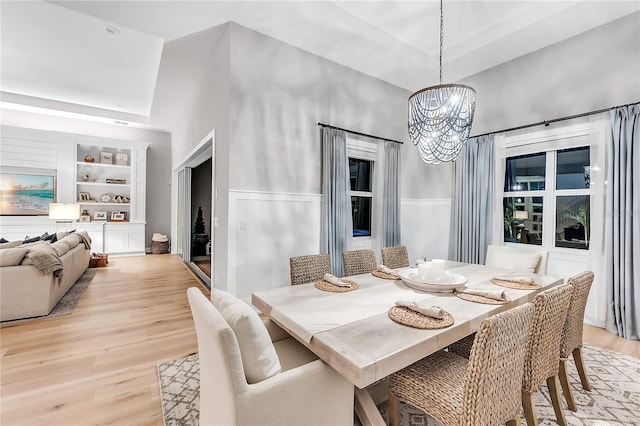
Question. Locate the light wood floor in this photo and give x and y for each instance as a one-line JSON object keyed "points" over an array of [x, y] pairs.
{"points": [[98, 365]]}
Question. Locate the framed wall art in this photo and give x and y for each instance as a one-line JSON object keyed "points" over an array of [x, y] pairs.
{"points": [[26, 193]]}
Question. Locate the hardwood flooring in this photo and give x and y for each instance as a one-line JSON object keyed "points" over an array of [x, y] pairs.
{"points": [[98, 365]]}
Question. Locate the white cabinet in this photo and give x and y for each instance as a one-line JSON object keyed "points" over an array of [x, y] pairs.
{"points": [[110, 186]]}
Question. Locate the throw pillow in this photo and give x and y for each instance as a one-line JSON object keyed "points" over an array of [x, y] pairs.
{"points": [[259, 357], [46, 236], [12, 256], [27, 239], [2, 240]]}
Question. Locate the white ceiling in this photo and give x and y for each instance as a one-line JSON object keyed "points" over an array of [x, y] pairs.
{"points": [[58, 54]]}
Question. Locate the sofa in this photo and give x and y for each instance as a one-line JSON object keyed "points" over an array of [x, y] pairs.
{"points": [[35, 275]]}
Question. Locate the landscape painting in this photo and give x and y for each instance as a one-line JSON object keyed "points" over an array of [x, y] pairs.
{"points": [[26, 194]]}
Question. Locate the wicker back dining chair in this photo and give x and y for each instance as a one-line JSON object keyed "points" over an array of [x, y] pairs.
{"points": [[572, 335], [309, 268], [356, 262], [543, 350], [395, 257], [483, 390]]}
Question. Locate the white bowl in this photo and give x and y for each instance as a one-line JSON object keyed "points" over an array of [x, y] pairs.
{"points": [[451, 281]]}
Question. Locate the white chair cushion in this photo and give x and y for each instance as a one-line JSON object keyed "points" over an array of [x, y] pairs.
{"points": [[502, 257], [259, 358]]}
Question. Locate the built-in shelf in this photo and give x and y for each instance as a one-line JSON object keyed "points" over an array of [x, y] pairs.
{"points": [[91, 203], [119, 166], [110, 185]]}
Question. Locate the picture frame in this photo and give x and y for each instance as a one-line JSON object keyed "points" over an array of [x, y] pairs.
{"points": [[106, 157], [122, 159], [117, 216], [116, 181], [26, 192], [85, 218], [100, 215], [84, 196]]}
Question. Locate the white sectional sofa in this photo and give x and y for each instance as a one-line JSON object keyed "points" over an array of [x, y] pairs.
{"points": [[24, 291]]}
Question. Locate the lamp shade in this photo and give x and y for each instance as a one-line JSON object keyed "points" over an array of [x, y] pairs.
{"points": [[64, 212], [522, 214]]}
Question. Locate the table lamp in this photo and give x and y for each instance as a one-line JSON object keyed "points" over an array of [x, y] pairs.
{"points": [[64, 213]]}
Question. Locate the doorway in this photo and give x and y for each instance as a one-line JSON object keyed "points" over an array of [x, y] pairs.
{"points": [[194, 210]]}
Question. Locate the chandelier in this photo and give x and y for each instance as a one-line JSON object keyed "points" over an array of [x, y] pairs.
{"points": [[440, 117]]}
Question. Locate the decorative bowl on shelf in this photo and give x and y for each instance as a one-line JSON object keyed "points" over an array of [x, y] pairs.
{"points": [[89, 159], [446, 284]]}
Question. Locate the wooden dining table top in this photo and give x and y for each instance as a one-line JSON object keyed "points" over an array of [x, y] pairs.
{"points": [[353, 333]]}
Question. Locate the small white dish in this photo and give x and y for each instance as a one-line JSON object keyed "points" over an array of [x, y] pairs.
{"points": [[451, 281]]}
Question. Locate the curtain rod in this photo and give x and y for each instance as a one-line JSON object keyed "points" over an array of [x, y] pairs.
{"points": [[547, 122], [359, 133]]}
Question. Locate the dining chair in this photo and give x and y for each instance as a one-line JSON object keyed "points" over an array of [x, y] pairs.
{"points": [[356, 262], [572, 335], [543, 350], [481, 390], [233, 341], [516, 257], [395, 257], [309, 268]]}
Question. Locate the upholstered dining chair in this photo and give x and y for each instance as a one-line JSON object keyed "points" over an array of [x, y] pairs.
{"points": [[543, 350], [357, 262], [395, 257], [532, 259], [481, 390], [572, 335], [253, 373], [309, 268]]}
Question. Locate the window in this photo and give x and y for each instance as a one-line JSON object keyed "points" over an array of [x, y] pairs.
{"points": [[527, 197], [361, 180]]}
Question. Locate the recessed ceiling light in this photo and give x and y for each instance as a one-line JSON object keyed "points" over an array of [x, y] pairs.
{"points": [[112, 30]]}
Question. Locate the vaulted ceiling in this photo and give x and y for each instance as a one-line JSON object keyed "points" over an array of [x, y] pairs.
{"points": [[102, 57]]}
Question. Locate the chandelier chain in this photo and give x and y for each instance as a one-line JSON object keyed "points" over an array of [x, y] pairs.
{"points": [[441, 38]]}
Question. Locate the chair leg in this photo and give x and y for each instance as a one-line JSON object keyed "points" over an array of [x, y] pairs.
{"points": [[394, 410], [529, 409], [552, 384], [577, 357], [514, 422], [566, 387]]}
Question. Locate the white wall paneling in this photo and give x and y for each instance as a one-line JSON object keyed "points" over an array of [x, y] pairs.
{"points": [[266, 229], [425, 227]]}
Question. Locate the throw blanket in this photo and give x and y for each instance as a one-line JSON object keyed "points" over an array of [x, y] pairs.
{"points": [[47, 261], [86, 240]]}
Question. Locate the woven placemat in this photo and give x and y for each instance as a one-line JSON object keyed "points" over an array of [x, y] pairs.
{"points": [[480, 299], [327, 286], [406, 316], [385, 276], [513, 284]]}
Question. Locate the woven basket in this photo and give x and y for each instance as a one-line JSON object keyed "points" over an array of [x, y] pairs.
{"points": [[98, 260], [159, 247]]}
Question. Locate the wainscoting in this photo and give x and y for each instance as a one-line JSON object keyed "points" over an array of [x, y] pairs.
{"points": [[265, 230]]}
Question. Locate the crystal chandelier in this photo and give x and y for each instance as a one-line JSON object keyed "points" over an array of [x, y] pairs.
{"points": [[440, 117]]}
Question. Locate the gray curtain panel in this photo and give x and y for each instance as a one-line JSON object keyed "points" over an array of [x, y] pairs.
{"points": [[336, 205], [622, 224], [391, 197], [472, 201]]}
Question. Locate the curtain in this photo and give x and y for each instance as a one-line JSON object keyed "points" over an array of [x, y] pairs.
{"points": [[391, 195], [622, 225], [472, 201], [336, 205]]}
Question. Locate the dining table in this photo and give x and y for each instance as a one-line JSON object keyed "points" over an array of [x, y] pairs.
{"points": [[353, 333]]}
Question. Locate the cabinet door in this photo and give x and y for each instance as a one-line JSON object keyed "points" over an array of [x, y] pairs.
{"points": [[114, 240]]}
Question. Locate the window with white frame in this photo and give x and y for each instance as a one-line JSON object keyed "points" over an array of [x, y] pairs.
{"points": [[361, 183], [547, 194]]}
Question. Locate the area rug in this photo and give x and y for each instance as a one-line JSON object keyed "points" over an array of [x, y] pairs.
{"points": [[614, 399], [67, 304]]}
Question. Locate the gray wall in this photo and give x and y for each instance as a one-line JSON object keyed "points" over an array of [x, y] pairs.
{"points": [[594, 70], [205, 107]]}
